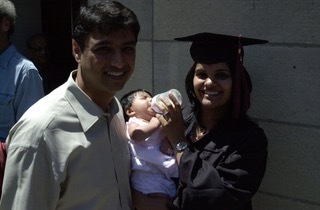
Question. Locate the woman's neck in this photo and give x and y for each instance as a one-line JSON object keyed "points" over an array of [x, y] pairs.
{"points": [[209, 118]]}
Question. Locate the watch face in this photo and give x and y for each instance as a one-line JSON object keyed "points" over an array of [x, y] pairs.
{"points": [[181, 146]]}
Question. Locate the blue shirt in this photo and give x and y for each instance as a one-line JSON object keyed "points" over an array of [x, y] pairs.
{"points": [[20, 87]]}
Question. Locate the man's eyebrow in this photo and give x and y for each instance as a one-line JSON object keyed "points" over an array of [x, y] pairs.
{"points": [[106, 42]]}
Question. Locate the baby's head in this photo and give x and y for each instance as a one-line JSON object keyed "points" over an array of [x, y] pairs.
{"points": [[136, 103]]}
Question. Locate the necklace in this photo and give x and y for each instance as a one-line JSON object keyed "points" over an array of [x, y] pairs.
{"points": [[200, 132]]}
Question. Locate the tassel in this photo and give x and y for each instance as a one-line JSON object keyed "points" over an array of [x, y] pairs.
{"points": [[241, 94]]}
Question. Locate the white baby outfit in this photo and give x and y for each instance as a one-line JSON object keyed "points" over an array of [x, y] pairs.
{"points": [[151, 169]]}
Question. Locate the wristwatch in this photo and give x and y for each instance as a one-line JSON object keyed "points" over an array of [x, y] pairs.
{"points": [[181, 146]]}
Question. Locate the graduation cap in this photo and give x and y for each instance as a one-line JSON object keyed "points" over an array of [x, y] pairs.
{"points": [[210, 48]]}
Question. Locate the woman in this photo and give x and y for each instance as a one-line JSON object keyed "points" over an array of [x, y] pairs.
{"points": [[222, 157]]}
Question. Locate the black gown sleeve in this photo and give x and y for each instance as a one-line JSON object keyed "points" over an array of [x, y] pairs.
{"points": [[223, 170]]}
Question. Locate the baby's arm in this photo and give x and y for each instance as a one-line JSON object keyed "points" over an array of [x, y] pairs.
{"points": [[141, 132]]}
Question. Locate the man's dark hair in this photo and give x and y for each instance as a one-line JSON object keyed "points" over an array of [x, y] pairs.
{"points": [[105, 17]]}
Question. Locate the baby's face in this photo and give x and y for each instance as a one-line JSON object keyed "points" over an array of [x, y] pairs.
{"points": [[141, 106]]}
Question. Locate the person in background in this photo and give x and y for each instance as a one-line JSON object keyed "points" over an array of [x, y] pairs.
{"points": [[39, 53], [54, 72], [69, 150], [20, 82], [153, 172], [222, 153]]}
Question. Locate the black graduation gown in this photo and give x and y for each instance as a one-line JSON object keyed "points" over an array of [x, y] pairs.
{"points": [[223, 170]]}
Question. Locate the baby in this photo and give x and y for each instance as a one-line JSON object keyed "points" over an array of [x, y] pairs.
{"points": [[153, 172]]}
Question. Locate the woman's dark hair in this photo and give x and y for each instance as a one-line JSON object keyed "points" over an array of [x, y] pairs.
{"points": [[105, 17], [127, 100], [245, 94]]}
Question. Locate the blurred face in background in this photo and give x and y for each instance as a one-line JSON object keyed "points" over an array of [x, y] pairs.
{"points": [[39, 51], [4, 28]]}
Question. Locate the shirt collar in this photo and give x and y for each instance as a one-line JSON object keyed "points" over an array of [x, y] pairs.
{"points": [[87, 111]]}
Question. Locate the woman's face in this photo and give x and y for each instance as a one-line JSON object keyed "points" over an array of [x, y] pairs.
{"points": [[213, 85]]}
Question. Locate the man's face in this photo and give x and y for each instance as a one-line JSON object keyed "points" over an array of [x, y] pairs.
{"points": [[106, 62], [39, 51], [4, 28]]}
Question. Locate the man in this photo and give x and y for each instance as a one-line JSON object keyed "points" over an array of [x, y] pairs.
{"points": [[38, 50], [38, 53], [20, 82], [69, 151], [53, 71]]}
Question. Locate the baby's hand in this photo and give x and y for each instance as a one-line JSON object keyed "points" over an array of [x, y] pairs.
{"points": [[166, 148]]}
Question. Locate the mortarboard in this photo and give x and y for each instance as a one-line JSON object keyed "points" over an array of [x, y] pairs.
{"points": [[210, 48]]}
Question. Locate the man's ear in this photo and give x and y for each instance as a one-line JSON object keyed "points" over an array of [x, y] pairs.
{"points": [[76, 50]]}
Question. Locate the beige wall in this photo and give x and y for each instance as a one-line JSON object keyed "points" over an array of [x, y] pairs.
{"points": [[285, 74]]}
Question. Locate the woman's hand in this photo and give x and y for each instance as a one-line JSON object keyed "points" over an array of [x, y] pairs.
{"points": [[172, 122]]}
